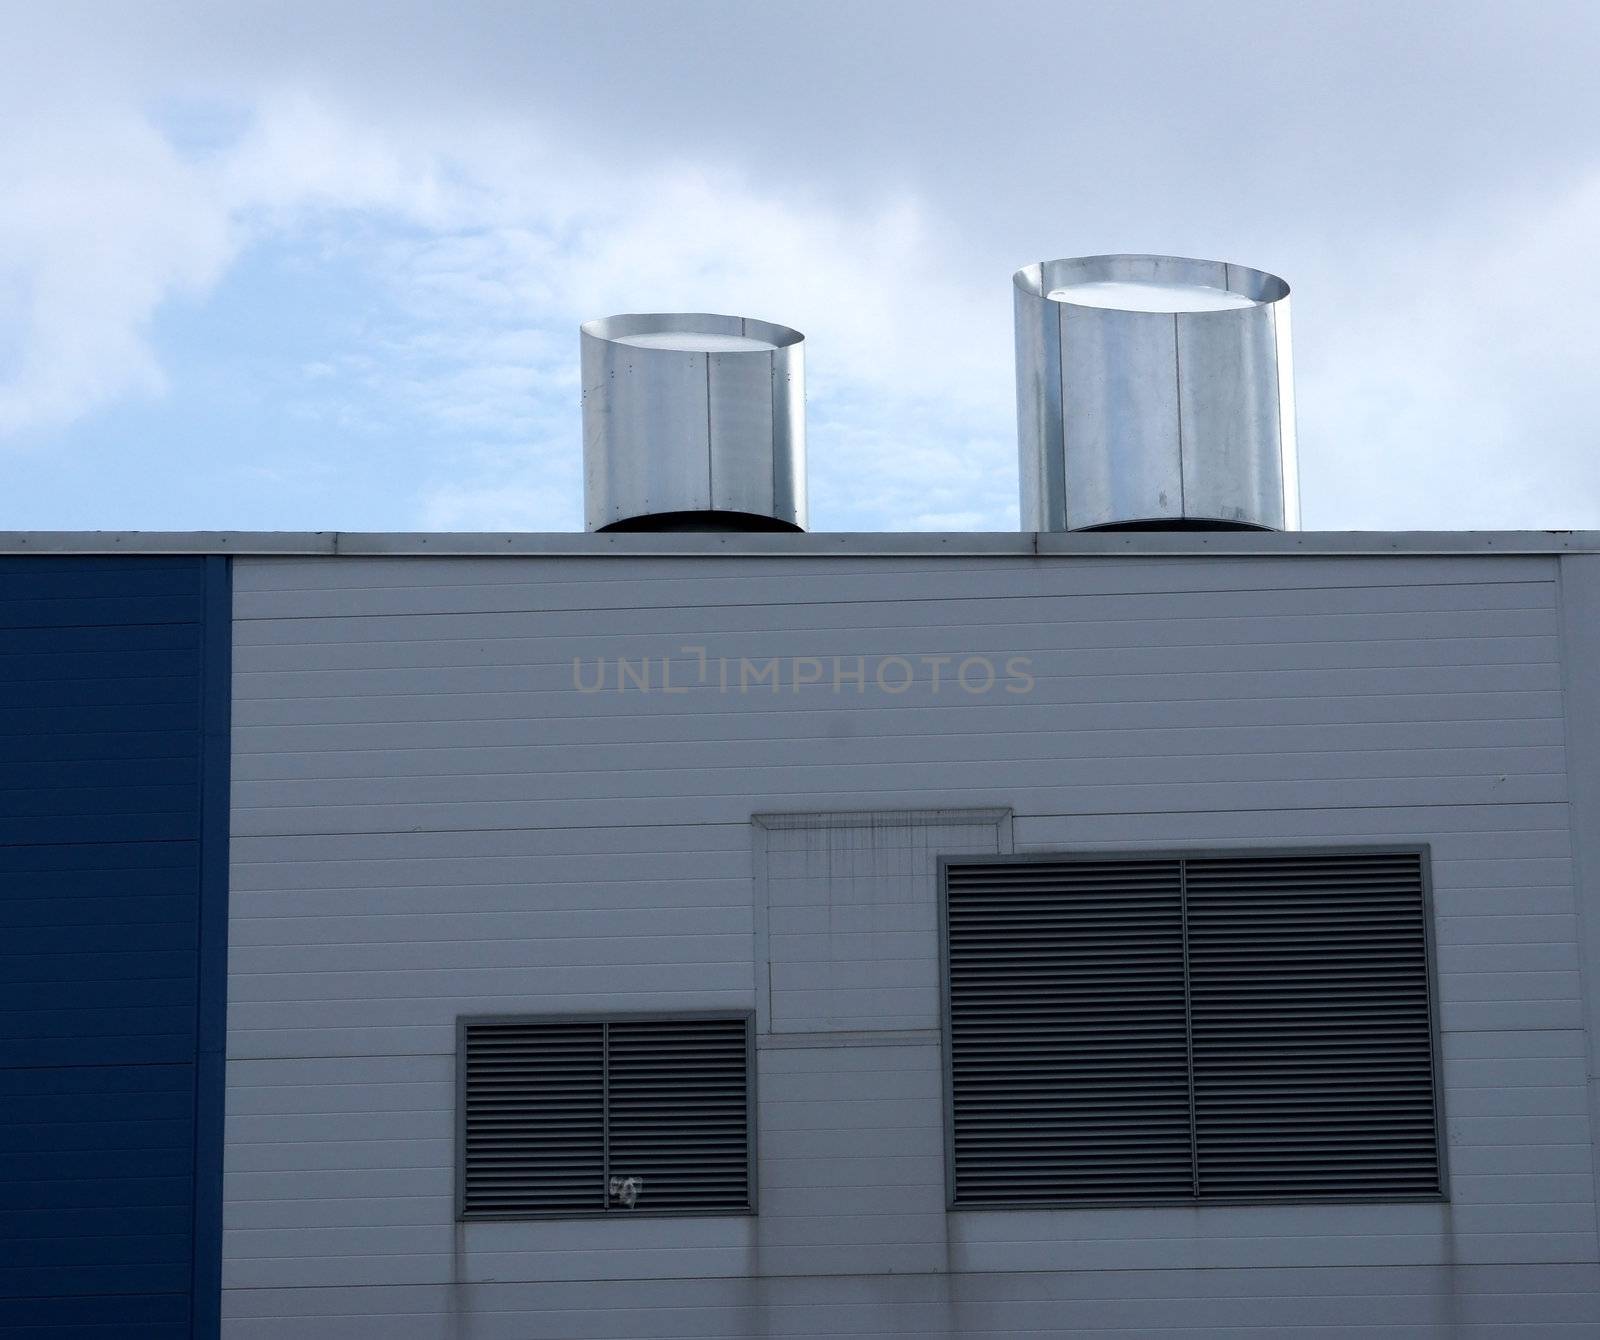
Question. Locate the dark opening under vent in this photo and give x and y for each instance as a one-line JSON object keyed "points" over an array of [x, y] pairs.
{"points": [[581, 1116], [1190, 1027]]}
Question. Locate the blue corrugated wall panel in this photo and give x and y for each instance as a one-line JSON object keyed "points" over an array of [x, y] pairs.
{"points": [[113, 833]]}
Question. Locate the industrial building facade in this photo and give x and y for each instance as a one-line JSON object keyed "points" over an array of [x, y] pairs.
{"points": [[785, 935]]}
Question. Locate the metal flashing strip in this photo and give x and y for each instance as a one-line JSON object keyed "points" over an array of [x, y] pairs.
{"points": [[212, 991], [843, 544]]}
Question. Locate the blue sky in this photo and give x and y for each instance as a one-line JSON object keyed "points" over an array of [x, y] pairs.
{"points": [[312, 267]]}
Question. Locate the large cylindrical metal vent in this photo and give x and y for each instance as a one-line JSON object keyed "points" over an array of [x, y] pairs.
{"points": [[693, 422], [1154, 392]]}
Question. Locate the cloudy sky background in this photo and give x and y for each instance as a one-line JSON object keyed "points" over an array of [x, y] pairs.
{"points": [[320, 266]]}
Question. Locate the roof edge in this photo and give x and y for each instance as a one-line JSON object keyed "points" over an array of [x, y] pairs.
{"points": [[814, 544]]}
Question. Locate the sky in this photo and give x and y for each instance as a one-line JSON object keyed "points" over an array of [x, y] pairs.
{"points": [[321, 266]]}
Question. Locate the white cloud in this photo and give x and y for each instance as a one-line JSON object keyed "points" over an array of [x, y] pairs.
{"points": [[1452, 388], [892, 362], [1444, 373], [102, 222], [492, 260]]}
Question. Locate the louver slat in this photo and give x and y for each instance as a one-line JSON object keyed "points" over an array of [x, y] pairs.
{"points": [[533, 1124], [1313, 1065], [1068, 1054], [680, 1112]]}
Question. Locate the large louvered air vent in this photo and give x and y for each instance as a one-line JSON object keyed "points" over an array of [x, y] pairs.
{"points": [[1190, 1027], [559, 1115]]}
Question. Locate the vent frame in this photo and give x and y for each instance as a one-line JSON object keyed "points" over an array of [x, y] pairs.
{"points": [[1182, 855], [604, 1018]]}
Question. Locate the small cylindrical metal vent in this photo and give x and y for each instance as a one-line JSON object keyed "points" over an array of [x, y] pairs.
{"points": [[693, 421], [1154, 392]]}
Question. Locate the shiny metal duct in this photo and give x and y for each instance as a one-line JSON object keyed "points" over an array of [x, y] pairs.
{"points": [[1154, 392], [693, 422]]}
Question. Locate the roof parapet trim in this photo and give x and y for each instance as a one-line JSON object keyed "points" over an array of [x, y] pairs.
{"points": [[814, 544]]}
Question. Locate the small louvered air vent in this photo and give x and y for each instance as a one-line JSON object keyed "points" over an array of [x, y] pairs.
{"points": [[1190, 1027], [564, 1117]]}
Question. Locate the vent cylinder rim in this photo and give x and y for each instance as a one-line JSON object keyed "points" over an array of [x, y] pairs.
{"points": [[625, 324], [1041, 279], [714, 520], [1187, 522]]}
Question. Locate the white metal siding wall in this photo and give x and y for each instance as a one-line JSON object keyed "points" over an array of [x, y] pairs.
{"points": [[431, 820]]}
